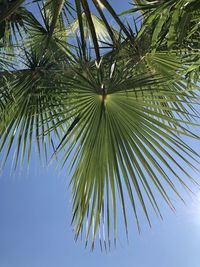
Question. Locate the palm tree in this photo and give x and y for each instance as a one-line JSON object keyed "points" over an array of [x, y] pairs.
{"points": [[113, 104]]}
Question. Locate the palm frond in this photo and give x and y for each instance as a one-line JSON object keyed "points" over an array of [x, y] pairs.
{"points": [[173, 22], [125, 140], [33, 98], [117, 118], [101, 30]]}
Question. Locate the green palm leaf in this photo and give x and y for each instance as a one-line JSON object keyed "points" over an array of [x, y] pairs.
{"points": [[117, 120], [32, 99], [125, 139], [101, 30]]}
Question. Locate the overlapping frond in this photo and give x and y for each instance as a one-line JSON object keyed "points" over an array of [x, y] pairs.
{"points": [[172, 23], [102, 32], [116, 119], [33, 97]]}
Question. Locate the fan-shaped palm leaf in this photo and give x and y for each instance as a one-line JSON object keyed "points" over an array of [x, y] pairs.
{"points": [[120, 118], [125, 139], [33, 98]]}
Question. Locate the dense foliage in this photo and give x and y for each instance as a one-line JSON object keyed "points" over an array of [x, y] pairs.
{"points": [[111, 102]]}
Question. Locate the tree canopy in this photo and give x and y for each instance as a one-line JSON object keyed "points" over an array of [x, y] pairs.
{"points": [[111, 102]]}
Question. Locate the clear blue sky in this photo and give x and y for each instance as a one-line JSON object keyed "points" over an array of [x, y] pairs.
{"points": [[35, 227]]}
